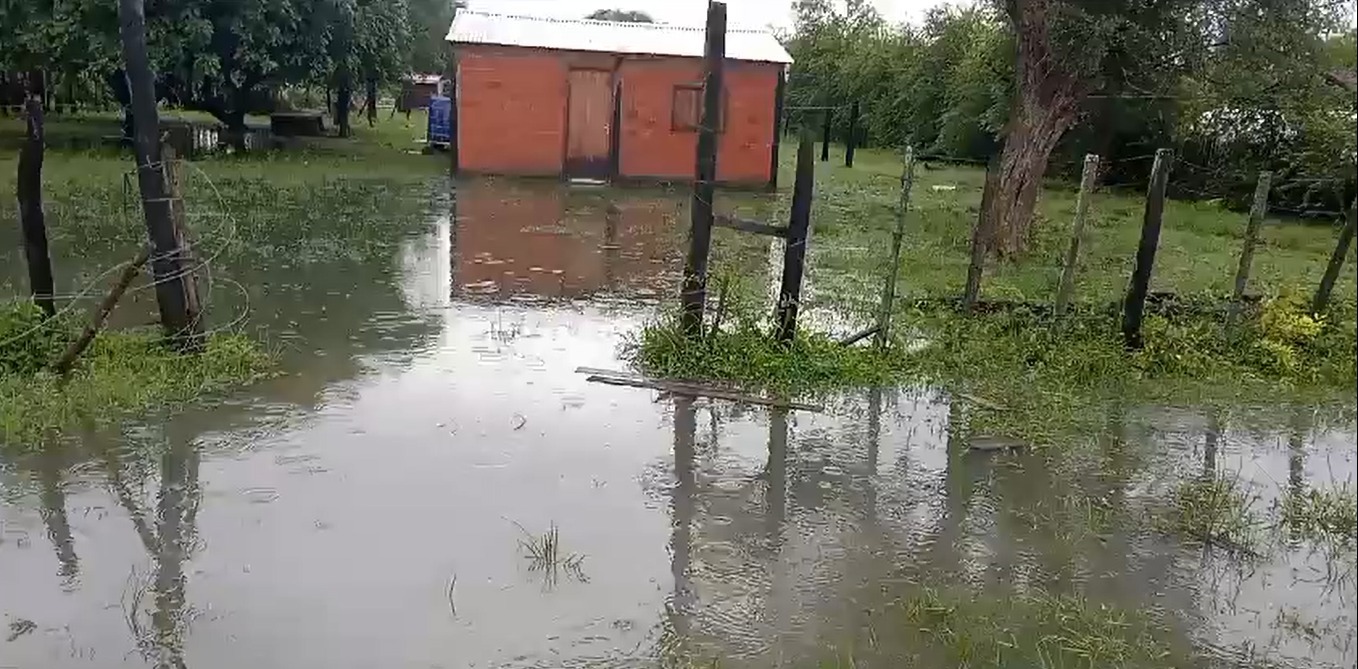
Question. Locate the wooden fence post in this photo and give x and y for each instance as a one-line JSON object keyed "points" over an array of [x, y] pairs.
{"points": [[1242, 273], [174, 182], [694, 295], [893, 270], [1341, 251], [980, 235], [155, 197], [798, 233], [32, 220], [825, 135], [853, 135], [1087, 179], [1134, 306]]}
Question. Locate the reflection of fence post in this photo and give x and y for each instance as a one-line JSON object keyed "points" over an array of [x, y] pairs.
{"points": [[980, 235], [798, 232], [694, 294], [825, 135], [1341, 251], [1067, 287], [893, 270], [1242, 273], [853, 135], [1134, 306]]}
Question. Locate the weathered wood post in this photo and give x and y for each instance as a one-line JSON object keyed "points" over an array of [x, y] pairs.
{"points": [[174, 181], [166, 263], [894, 269], [1134, 306], [849, 144], [798, 233], [825, 134], [32, 220], [1242, 273], [694, 295], [980, 235], [1087, 179], [1341, 251]]}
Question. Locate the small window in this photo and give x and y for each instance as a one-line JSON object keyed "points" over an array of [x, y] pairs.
{"points": [[687, 114]]}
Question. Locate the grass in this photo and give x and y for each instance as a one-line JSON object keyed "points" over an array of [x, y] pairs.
{"points": [[1326, 516], [544, 554], [123, 372], [1215, 510]]}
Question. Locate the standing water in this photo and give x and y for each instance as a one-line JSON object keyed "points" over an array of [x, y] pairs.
{"points": [[430, 483]]}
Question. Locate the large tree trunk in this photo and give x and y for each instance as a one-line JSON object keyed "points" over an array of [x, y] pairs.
{"points": [[1046, 105]]}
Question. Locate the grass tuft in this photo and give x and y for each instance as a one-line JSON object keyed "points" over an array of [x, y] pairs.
{"points": [[1327, 516], [122, 372], [1215, 510]]}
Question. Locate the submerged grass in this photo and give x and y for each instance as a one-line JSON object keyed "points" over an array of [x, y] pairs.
{"points": [[1215, 510], [544, 554], [123, 372], [1326, 516]]}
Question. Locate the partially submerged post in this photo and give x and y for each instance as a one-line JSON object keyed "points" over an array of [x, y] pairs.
{"points": [[32, 221], [1134, 306], [798, 232], [1067, 287], [980, 234], [166, 263], [1242, 273], [852, 139], [1341, 251], [894, 269], [828, 119], [694, 292], [174, 182]]}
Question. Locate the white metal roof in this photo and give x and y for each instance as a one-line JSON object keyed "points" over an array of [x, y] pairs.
{"points": [[470, 27]]}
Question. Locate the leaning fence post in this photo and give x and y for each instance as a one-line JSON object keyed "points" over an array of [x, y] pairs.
{"points": [[1242, 273], [980, 235], [798, 232], [694, 292], [853, 135], [825, 134], [1134, 306], [1067, 287], [1341, 251], [174, 183], [893, 270]]}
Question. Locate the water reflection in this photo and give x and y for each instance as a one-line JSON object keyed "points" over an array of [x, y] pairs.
{"points": [[548, 240], [319, 518]]}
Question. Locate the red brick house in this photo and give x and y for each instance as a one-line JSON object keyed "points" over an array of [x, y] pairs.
{"points": [[606, 99]]}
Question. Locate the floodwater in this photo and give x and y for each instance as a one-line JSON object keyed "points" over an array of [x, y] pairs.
{"points": [[368, 508]]}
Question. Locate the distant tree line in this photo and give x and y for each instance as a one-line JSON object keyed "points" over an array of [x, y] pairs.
{"points": [[1235, 86], [225, 57]]}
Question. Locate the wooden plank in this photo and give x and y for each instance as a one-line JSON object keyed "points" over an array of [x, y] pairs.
{"points": [[748, 225], [695, 390]]}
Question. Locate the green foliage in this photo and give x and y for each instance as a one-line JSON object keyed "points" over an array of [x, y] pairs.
{"points": [[1215, 510], [28, 342], [1235, 86], [622, 15], [1329, 516], [121, 373]]}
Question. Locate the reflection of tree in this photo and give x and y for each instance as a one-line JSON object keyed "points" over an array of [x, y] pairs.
{"points": [[51, 464], [682, 505], [168, 544]]}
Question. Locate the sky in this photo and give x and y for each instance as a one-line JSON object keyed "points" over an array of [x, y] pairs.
{"points": [[740, 13]]}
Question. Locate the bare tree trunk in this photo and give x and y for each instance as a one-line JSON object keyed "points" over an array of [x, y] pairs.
{"points": [[166, 259], [1045, 107], [343, 102], [32, 221], [371, 102]]}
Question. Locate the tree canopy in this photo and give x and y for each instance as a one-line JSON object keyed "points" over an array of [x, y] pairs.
{"points": [[1235, 86], [227, 57]]}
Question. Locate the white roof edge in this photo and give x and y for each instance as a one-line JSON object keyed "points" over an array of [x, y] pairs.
{"points": [[490, 28]]}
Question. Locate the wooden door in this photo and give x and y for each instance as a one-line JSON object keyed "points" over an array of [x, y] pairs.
{"points": [[589, 115]]}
